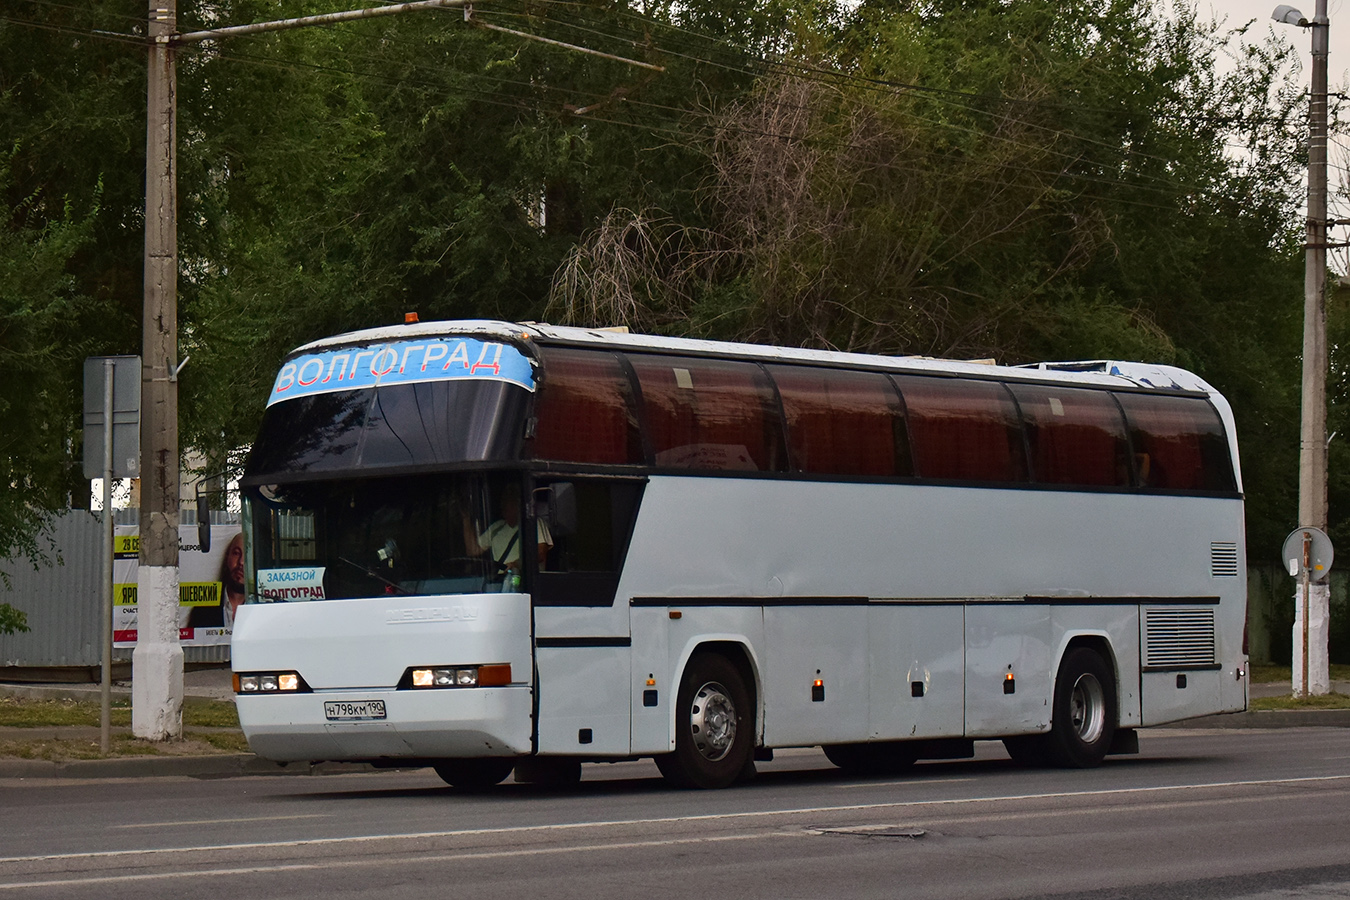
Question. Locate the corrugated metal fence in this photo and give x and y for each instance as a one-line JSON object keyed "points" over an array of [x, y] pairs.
{"points": [[63, 601]]}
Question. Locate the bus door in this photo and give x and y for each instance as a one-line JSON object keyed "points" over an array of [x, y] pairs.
{"points": [[582, 641]]}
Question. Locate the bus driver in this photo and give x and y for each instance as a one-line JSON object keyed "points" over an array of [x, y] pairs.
{"points": [[502, 537]]}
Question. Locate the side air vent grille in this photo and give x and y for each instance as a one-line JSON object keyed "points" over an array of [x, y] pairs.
{"points": [[1179, 638], [1223, 560]]}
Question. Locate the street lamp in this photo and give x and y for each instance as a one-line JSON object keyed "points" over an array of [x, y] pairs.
{"points": [[1310, 670]]}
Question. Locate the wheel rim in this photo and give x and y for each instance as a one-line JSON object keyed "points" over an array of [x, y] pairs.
{"points": [[712, 720], [1087, 708]]}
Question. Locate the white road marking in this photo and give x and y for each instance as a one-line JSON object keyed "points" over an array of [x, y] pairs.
{"points": [[910, 783], [351, 863], [176, 823], [667, 820]]}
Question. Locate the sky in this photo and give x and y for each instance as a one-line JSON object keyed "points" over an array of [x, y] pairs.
{"points": [[1238, 12]]}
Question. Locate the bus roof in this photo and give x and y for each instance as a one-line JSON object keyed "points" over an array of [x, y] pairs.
{"points": [[1105, 373]]}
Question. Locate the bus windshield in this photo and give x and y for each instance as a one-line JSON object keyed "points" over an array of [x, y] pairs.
{"points": [[409, 535]]}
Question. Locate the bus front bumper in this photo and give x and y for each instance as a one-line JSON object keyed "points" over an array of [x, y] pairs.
{"points": [[419, 724]]}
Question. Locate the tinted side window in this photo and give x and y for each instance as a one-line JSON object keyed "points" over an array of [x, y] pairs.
{"points": [[1179, 443], [963, 429], [1076, 436], [585, 410], [710, 414], [842, 423]]}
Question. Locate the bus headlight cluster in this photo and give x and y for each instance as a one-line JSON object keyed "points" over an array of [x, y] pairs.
{"points": [[460, 676], [269, 683]]}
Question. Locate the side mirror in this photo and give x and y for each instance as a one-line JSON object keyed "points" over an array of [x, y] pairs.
{"points": [[203, 519]]}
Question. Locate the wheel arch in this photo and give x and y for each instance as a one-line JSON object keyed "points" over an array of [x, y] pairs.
{"points": [[737, 649]]}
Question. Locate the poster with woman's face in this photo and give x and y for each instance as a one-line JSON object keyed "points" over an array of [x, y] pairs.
{"points": [[210, 585]]}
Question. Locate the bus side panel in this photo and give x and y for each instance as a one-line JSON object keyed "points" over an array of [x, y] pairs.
{"points": [[1118, 625], [1171, 696], [916, 681], [581, 621], [698, 627], [731, 538], [583, 700], [1182, 678], [804, 645], [1005, 639], [652, 705]]}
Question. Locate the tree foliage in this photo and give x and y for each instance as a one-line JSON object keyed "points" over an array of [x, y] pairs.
{"points": [[1023, 180]]}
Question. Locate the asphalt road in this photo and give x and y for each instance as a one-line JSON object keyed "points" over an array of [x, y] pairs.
{"points": [[1198, 814]]}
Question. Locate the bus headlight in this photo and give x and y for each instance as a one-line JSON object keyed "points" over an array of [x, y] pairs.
{"points": [[269, 683], [459, 676]]}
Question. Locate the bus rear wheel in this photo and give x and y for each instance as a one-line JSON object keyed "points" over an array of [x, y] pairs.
{"points": [[714, 726], [1083, 718], [882, 758], [474, 774]]}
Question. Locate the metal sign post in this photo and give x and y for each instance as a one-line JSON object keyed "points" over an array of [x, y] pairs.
{"points": [[1307, 607], [112, 403], [1307, 554]]}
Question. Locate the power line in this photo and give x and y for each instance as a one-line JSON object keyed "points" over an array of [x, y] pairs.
{"points": [[677, 133], [1166, 186]]}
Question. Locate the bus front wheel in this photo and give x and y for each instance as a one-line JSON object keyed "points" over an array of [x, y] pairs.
{"points": [[714, 726], [474, 774]]}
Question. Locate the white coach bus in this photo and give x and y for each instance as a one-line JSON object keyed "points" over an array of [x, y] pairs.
{"points": [[482, 546]]}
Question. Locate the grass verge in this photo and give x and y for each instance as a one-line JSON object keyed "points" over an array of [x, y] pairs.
{"points": [[1272, 674], [123, 745], [1324, 701], [218, 718], [20, 713]]}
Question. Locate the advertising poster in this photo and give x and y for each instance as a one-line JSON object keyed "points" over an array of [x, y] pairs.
{"points": [[210, 585]]}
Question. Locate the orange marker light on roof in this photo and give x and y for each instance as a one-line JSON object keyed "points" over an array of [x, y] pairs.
{"points": [[410, 318]]}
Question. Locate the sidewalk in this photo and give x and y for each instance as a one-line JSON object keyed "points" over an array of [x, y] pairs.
{"points": [[1282, 689], [215, 684]]}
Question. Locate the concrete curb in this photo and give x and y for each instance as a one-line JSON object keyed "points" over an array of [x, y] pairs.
{"points": [[1270, 718]]}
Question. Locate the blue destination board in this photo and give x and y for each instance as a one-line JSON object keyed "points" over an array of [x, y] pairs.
{"points": [[401, 362]]}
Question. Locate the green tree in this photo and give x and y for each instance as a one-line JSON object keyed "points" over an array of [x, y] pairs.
{"points": [[41, 346], [1023, 181]]}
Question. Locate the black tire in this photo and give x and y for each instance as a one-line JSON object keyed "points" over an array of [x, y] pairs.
{"points": [[714, 726], [1084, 716], [474, 774], [881, 758]]}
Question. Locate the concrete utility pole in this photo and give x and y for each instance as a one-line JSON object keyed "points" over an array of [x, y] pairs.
{"points": [[1312, 613], [1312, 466], [157, 661]]}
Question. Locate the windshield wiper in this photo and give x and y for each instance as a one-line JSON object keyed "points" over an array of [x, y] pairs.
{"points": [[376, 575]]}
